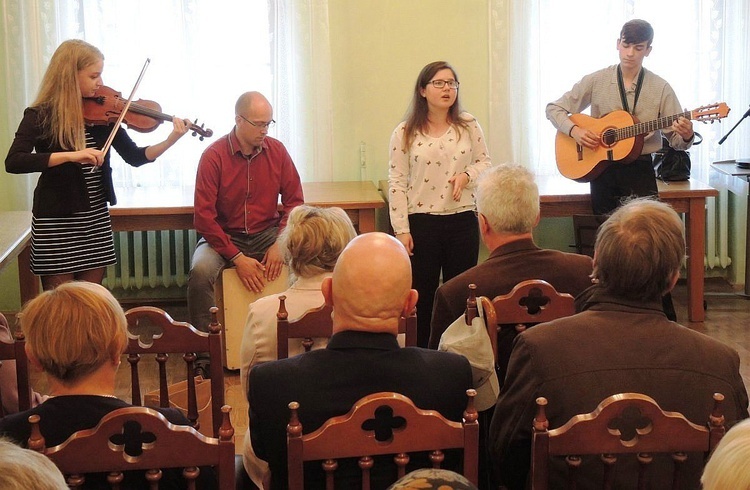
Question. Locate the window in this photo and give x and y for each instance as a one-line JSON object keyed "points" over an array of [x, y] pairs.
{"points": [[698, 48], [203, 54]]}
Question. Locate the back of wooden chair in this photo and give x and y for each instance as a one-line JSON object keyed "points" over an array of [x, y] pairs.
{"points": [[383, 423], [621, 424], [314, 323], [488, 315], [408, 326], [140, 438], [530, 302], [317, 322], [152, 331], [16, 351]]}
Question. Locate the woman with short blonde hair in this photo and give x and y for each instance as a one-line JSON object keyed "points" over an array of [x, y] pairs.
{"points": [[24, 468], [728, 466], [77, 333], [311, 244], [313, 239], [73, 330]]}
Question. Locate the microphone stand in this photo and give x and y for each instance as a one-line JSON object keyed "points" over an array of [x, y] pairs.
{"points": [[747, 113]]}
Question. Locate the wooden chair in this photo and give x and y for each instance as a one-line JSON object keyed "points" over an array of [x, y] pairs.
{"points": [[16, 351], [529, 303], [488, 312], [621, 424], [313, 323], [485, 416], [381, 424], [140, 438], [152, 331], [318, 322], [408, 326], [585, 228]]}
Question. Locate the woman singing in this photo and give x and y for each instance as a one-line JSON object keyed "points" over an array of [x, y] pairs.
{"points": [[436, 154]]}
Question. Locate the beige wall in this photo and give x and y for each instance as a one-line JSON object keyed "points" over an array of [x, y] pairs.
{"points": [[378, 48]]}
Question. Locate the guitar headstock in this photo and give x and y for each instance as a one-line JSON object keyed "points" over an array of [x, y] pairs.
{"points": [[711, 112]]}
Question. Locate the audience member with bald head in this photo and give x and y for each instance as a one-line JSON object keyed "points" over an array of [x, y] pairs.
{"points": [[369, 290], [622, 342], [240, 179], [371, 286]]}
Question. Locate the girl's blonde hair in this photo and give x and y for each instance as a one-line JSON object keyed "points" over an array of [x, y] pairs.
{"points": [[60, 95], [74, 329]]}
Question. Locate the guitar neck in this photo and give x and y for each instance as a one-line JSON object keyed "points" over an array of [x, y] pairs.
{"points": [[650, 126]]}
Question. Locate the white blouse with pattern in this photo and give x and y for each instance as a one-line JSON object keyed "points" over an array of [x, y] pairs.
{"points": [[418, 178]]}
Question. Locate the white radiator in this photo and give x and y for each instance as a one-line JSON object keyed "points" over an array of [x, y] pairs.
{"points": [[717, 231], [151, 259]]}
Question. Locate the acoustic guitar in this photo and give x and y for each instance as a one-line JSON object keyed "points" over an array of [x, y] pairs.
{"points": [[620, 139]]}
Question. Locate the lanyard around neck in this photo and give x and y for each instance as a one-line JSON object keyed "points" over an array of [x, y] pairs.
{"points": [[621, 86]]}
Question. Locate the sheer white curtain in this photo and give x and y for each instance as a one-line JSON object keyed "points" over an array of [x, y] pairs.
{"points": [[204, 54], [540, 48], [301, 63]]}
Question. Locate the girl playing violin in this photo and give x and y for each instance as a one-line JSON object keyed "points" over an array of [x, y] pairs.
{"points": [[71, 232]]}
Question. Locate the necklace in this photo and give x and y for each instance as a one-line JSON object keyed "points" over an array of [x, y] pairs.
{"points": [[82, 394]]}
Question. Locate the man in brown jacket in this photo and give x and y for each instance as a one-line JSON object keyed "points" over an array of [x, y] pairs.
{"points": [[620, 342], [508, 208]]}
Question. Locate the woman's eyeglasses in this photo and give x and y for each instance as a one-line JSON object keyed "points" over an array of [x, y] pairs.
{"points": [[442, 83]]}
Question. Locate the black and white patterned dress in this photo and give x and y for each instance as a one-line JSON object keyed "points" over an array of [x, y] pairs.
{"points": [[79, 242], [71, 229]]}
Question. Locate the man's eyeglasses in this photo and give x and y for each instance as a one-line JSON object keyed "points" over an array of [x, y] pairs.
{"points": [[443, 83], [265, 125]]}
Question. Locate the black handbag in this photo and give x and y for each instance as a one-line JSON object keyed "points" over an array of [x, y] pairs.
{"points": [[673, 165]]}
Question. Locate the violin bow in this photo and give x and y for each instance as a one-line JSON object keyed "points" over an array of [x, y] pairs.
{"points": [[111, 138]]}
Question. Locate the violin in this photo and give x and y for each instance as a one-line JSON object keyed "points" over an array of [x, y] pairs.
{"points": [[142, 115]]}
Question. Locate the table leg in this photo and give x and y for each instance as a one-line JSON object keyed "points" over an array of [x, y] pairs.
{"points": [[695, 233], [747, 245], [366, 220], [28, 282]]}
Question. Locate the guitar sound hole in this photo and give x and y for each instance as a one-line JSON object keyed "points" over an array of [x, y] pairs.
{"points": [[609, 138]]}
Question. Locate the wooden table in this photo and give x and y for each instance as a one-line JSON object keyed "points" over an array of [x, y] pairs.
{"points": [[172, 209], [561, 197], [15, 241]]}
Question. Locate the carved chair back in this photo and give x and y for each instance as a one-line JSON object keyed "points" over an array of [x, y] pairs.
{"points": [[152, 331], [383, 423], [626, 423], [141, 439]]}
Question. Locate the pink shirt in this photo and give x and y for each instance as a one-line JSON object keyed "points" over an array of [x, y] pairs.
{"points": [[239, 195]]}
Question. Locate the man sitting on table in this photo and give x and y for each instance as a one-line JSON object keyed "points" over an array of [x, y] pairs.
{"points": [[369, 291], [239, 180], [508, 206], [621, 342]]}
